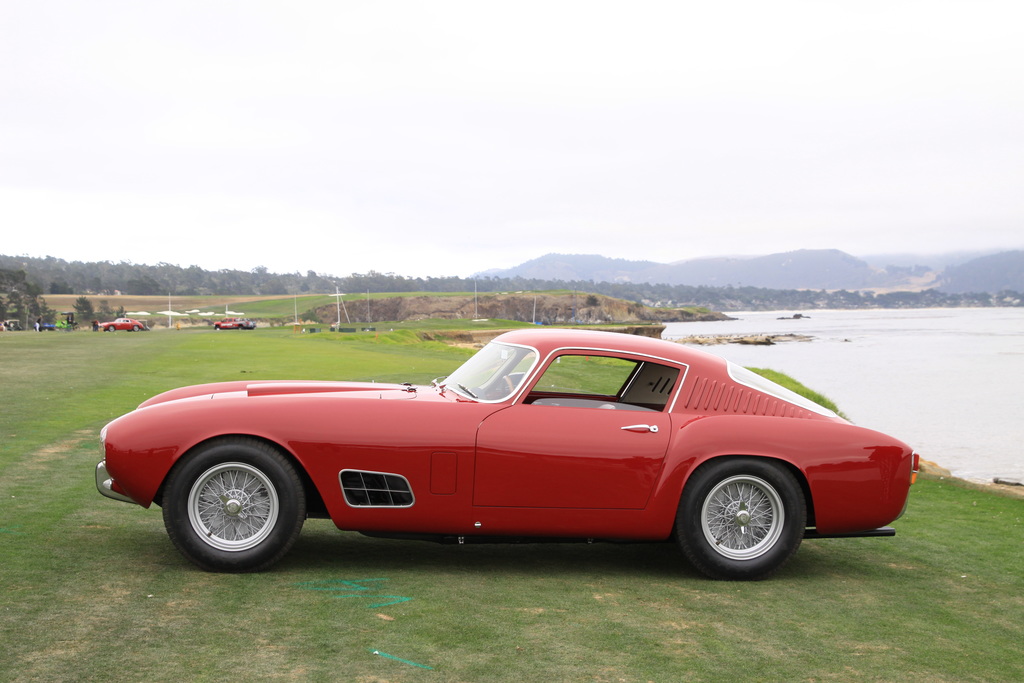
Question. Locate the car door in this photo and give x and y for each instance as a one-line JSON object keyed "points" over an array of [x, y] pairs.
{"points": [[572, 442]]}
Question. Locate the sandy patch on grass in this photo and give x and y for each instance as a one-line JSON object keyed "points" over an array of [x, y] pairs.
{"points": [[41, 458]]}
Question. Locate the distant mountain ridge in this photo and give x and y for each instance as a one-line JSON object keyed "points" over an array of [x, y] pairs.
{"points": [[805, 269], [1005, 270]]}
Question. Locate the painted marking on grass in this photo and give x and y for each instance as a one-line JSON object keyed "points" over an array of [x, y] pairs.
{"points": [[341, 588], [11, 530], [392, 599], [399, 659], [333, 584]]}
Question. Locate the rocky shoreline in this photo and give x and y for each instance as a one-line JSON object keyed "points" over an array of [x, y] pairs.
{"points": [[1010, 487], [752, 339]]}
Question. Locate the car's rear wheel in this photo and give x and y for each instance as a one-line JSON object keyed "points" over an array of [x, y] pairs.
{"points": [[234, 505], [741, 518], [111, 328], [135, 328]]}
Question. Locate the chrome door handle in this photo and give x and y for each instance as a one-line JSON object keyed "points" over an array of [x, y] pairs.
{"points": [[641, 428]]}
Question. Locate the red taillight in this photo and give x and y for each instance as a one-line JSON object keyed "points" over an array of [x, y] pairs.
{"points": [[915, 466]]}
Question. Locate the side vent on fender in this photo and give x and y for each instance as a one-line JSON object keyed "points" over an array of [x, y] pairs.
{"points": [[375, 489]]}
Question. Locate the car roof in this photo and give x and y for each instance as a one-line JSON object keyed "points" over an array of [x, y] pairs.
{"points": [[546, 340]]}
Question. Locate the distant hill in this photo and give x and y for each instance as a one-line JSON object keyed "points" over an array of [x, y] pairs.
{"points": [[937, 262], [546, 309], [994, 273], [806, 269]]}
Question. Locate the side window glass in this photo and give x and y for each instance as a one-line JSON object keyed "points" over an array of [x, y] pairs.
{"points": [[590, 375], [602, 382]]}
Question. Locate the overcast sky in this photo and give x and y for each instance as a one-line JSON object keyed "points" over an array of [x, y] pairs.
{"points": [[441, 138]]}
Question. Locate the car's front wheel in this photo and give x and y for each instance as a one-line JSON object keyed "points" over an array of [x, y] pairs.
{"points": [[234, 505], [741, 518]]}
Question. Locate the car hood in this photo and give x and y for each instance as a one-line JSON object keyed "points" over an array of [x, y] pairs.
{"points": [[286, 387]]}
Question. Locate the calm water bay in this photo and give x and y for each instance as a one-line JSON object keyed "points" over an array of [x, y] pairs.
{"points": [[946, 381]]}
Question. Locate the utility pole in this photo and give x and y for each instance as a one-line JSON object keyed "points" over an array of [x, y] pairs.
{"points": [[339, 304]]}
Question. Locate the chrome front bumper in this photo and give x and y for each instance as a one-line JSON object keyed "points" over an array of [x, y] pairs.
{"points": [[105, 484]]}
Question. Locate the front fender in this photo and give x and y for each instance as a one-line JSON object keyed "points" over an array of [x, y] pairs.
{"points": [[141, 447]]}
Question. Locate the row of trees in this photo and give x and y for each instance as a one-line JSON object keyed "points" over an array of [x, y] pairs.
{"points": [[57, 276], [86, 311], [50, 275], [23, 301], [20, 299]]}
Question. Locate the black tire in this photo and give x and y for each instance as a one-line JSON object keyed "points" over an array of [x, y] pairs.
{"points": [[741, 518], [135, 328], [234, 505]]}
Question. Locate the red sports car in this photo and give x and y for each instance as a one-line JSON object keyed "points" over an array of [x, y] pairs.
{"points": [[130, 324], [543, 435]]}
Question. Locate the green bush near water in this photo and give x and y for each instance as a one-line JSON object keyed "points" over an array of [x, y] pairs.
{"points": [[93, 590]]}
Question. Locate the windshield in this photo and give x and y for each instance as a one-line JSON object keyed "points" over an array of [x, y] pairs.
{"points": [[494, 373]]}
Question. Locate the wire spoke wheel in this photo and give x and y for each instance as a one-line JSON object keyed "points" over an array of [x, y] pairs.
{"points": [[742, 517], [234, 504]]}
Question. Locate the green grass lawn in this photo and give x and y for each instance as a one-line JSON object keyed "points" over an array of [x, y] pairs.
{"points": [[93, 590]]}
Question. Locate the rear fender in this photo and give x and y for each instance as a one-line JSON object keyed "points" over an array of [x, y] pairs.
{"points": [[853, 478]]}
